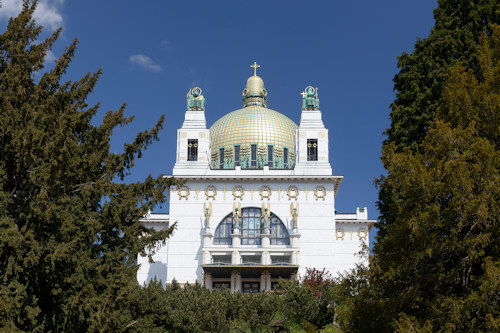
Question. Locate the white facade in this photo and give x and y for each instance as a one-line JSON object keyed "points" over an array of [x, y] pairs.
{"points": [[254, 251]]}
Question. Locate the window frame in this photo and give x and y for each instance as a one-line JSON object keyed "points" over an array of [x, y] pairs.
{"points": [[221, 158], [285, 158], [192, 151], [237, 155], [251, 217], [270, 153], [312, 149], [253, 151]]}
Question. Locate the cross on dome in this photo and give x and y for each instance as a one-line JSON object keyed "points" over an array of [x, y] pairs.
{"points": [[255, 66]]}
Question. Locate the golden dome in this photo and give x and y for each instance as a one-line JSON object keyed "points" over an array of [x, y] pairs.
{"points": [[255, 86], [255, 135], [253, 125]]}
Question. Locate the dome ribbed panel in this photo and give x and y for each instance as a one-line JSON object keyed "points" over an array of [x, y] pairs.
{"points": [[253, 125]]}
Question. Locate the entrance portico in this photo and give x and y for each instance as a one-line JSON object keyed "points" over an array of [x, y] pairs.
{"points": [[247, 277]]}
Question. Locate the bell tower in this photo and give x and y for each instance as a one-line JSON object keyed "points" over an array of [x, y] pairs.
{"points": [[193, 137], [312, 138]]}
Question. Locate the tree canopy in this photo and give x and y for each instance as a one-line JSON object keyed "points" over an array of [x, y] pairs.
{"points": [[419, 85], [69, 225], [436, 266]]}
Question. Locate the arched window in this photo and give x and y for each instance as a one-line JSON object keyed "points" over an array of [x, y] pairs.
{"points": [[252, 225]]}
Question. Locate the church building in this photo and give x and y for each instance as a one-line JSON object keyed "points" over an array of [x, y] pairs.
{"points": [[258, 199]]}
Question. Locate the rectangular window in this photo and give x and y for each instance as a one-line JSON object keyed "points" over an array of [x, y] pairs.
{"points": [[221, 158], [250, 260], [270, 156], [312, 149], [251, 287], [285, 158], [237, 155], [280, 259], [253, 155], [275, 286], [221, 259], [192, 149], [219, 285]]}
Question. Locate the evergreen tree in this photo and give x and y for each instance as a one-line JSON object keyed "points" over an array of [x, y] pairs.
{"points": [[69, 228], [419, 83], [438, 266]]}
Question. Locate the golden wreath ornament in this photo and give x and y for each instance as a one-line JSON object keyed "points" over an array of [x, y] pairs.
{"points": [[210, 192], [183, 192], [295, 193], [340, 233], [362, 233], [265, 192], [321, 195], [238, 192]]}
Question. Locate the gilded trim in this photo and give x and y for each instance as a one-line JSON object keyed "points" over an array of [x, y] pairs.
{"points": [[265, 192], [238, 192], [295, 193], [340, 234], [362, 233], [183, 192], [318, 195], [211, 192]]}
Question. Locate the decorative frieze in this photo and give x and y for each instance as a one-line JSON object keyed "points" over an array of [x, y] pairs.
{"points": [[292, 192], [238, 192], [320, 192], [211, 192], [265, 192], [183, 192], [340, 234]]}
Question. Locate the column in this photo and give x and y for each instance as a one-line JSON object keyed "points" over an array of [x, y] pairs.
{"points": [[208, 280], [265, 281], [236, 236], [265, 258], [235, 258], [207, 257], [295, 258], [266, 240], [295, 236], [207, 239], [235, 282]]}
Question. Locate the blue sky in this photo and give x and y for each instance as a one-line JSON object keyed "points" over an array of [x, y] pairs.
{"points": [[152, 52]]}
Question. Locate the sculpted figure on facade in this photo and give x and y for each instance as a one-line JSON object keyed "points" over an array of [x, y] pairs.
{"points": [[294, 211], [195, 99], [207, 210], [266, 214], [310, 100], [236, 215]]}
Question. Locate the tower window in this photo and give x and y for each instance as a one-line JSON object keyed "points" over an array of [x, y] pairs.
{"points": [[237, 155], [253, 155], [221, 158], [312, 149], [270, 156], [285, 158], [192, 149]]}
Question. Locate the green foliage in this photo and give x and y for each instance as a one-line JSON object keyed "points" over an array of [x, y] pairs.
{"points": [[69, 234], [419, 85], [193, 308], [436, 258], [437, 266]]}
